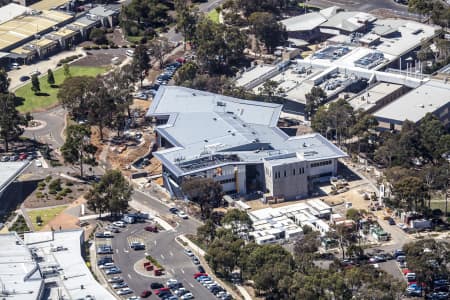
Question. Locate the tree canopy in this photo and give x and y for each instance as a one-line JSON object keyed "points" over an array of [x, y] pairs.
{"points": [[206, 192]]}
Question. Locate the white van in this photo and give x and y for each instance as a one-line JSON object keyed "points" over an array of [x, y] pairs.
{"points": [[130, 53]]}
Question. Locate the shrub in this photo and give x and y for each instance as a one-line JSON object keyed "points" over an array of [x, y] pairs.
{"points": [[55, 185], [133, 46], [52, 192], [41, 184], [105, 47], [48, 178], [95, 47], [87, 48], [69, 183], [39, 195], [58, 197], [38, 220], [124, 46], [67, 190], [80, 55]]}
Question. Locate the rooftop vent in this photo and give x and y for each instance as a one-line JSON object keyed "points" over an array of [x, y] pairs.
{"points": [[205, 141], [194, 94], [233, 134], [215, 119]]}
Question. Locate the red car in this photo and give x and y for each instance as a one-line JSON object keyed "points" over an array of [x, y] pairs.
{"points": [[196, 275], [151, 228], [146, 294], [164, 289], [23, 156]]}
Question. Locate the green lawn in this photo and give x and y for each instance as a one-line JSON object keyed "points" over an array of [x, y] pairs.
{"points": [[33, 102], [214, 16], [46, 215]]}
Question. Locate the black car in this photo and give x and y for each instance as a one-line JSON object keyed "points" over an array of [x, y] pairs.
{"points": [[24, 78], [164, 294], [173, 210], [201, 269], [391, 221], [156, 285]]}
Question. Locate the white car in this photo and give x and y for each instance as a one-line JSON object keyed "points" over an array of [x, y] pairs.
{"points": [[115, 279], [187, 296], [181, 291], [38, 163], [134, 298], [182, 214], [171, 281], [119, 224], [125, 291], [188, 252]]}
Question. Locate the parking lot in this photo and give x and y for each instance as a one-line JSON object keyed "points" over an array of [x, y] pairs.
{"points": [[162, 247]]}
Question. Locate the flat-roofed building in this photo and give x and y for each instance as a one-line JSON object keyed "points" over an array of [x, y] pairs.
{"points": [[238, 144], [24, 29], [431, 97], [51, 261], [377, 96], [11, 11]]}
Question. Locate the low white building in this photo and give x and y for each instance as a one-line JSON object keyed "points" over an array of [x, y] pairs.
{"points": [[288, 220], [47, 260]]}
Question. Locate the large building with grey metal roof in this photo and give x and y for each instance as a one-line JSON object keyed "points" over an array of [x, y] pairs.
{"points": [[237, 143]]}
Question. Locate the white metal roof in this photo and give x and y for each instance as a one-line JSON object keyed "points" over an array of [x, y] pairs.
{"points": [[9, 171], [18, 271], [414, 105], [11, 11]]}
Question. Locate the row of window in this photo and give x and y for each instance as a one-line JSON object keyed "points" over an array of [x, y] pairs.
{"points": [[229, 180], [321, 163], [298, 171]]}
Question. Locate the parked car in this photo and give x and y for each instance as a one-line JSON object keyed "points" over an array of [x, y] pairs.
{"points": [[107, 266], [13, 157], [24, 78], [414, 290], [201, 269], [104, 260], [38, 163], [120, 224], [146, 294], [160, 290], [195, 260], [181, 291], [112, 271], [187, 296], [156, 285], [188, 252], [119, 285], [4, 158], [125, 291], [115, 279], [23, 156], [173, 210], [151, 228], [182, 214], [391, 221]]}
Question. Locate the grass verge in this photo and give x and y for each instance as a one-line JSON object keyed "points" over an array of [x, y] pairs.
{"points": [[154, 262], [46, 215], [48, 94], [214, 16]]}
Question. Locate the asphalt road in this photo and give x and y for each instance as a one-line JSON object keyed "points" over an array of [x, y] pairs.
{"points": [[51, 132], [162, 246]]}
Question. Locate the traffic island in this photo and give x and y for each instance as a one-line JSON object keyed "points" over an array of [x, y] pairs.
{"points": [[150, 267]]}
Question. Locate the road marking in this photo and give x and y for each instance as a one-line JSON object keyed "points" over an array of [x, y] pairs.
{"points": [[171, 253], [117, 250], [129, 276], [154, 242], [182, 271], [191, 284], [173, 271], [162, 256], [125, 250]]}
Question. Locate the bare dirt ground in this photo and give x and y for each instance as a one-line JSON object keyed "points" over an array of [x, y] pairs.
{"points": [[97, 58]]}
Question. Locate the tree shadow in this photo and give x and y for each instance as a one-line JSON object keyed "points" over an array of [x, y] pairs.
{"points": [[54, 86], [18, 101], [42, 94]]}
